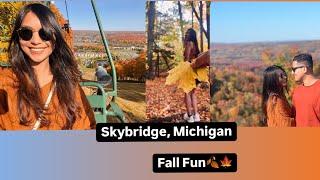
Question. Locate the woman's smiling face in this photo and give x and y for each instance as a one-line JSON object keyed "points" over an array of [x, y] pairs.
{"points": [[36, 49]]}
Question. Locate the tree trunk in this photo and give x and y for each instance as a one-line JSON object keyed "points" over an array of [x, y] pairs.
{"points": [[192, 14], [151, 19], [158, 64], [181, 21], [197, 16], [208, 21], [201, 25]]}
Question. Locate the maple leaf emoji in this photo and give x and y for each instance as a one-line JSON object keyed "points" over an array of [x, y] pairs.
{"points": [[226, 162]]}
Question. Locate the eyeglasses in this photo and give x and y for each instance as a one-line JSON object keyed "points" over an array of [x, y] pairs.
{"points": [[26, 34], [295, 68]]}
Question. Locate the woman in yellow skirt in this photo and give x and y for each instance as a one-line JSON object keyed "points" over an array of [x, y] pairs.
{"points": [[187, 78]]}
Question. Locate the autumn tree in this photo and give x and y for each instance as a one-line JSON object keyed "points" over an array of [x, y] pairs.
{"points": [[131, 69], [199, 15], [8, 12], [181, 20], [208, 3], [64, 24], [151, 11]]}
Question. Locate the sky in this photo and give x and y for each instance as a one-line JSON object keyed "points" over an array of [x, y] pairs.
{"points": [[233, 22], [166, 7], [116, 15]]}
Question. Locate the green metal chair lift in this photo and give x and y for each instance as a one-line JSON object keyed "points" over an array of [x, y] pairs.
{"points": [[99, 101]]}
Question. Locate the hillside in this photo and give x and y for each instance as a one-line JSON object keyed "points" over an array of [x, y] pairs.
{"points": [[237, 75], [115, 38], [251, 52]]}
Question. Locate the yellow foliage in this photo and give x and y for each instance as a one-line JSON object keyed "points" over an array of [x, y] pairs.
{"points": [[233, 112], [8, 12], [4, 45], [184, 76], [202, 74], [266, 57], [3, 57]]}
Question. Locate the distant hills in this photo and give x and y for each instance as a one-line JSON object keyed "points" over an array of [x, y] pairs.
{"points": [[115, 38], [224, 53]]}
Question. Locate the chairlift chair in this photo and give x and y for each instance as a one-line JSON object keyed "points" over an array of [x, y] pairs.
{"points": [[112, 109], [98, 101]]}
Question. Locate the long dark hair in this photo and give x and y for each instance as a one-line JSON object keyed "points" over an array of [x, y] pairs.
{"points": [[62, 64], [272, 85], [191, 35]]}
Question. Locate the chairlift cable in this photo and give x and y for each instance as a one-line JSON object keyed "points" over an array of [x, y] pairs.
{"points": [[66, 5]]}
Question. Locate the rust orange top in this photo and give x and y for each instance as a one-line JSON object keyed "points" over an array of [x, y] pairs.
{"points": [[279, 112], [9, 119]]}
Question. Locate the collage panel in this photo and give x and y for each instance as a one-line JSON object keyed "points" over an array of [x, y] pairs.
{"points": [[265, 58], [70, 65], [178, 36]]}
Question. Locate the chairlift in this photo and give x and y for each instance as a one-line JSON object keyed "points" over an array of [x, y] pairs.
{"points": [[98, 102], [112, 109]]}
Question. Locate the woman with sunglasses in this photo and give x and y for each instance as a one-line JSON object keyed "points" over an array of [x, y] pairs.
{"points": [[42, 84], [276, 108]]}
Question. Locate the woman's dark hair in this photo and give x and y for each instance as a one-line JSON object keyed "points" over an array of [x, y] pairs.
{"points": [[62, 64], [191, 35], [272, 85]]}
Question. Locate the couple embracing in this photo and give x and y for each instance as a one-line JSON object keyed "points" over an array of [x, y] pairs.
{"points": [[305, 108]]}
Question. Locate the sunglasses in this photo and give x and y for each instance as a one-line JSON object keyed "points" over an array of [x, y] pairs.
{"points": [[26, 34], [283, 76], [295, 68]]}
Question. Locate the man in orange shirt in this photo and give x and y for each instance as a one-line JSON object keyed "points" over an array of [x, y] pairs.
{"points": [[306, 96]]}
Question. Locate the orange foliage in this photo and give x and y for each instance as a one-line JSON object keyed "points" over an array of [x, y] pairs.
{"points": [[68, 34], [133, 69]]}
